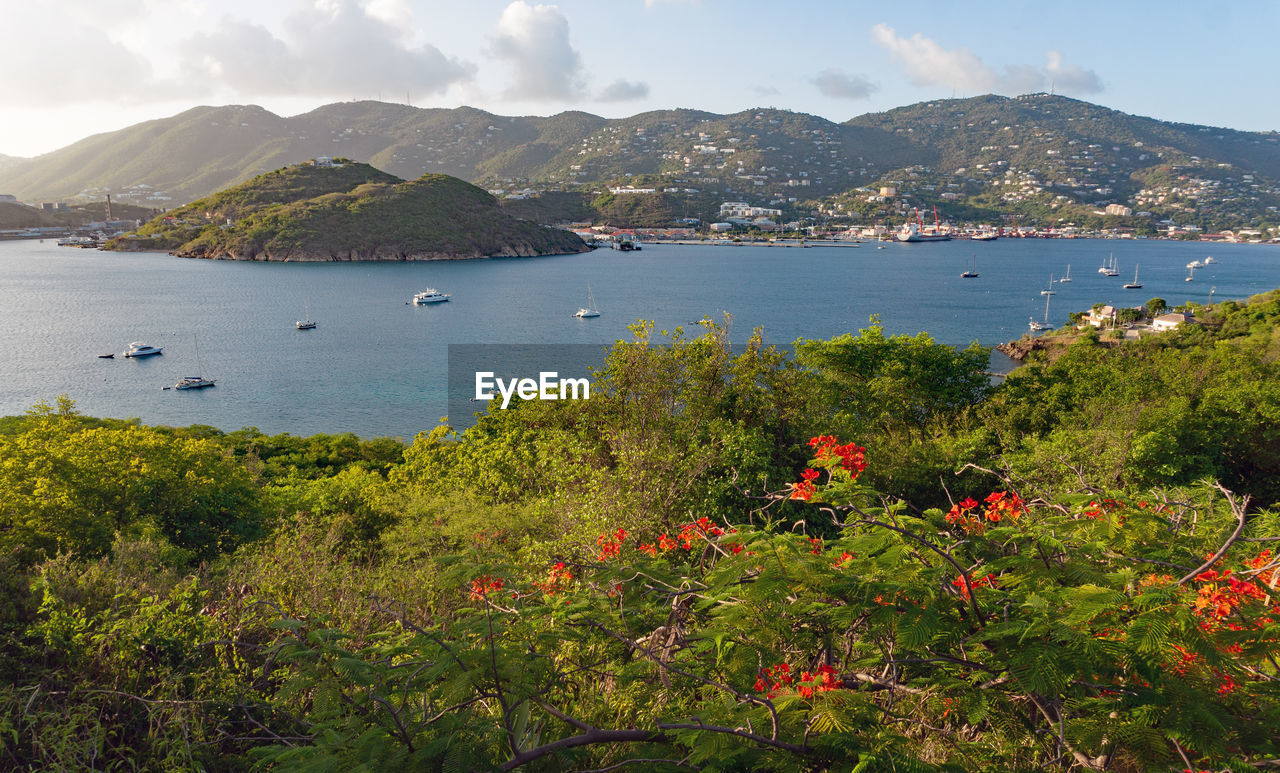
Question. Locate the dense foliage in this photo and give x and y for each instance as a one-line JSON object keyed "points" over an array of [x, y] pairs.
{"points": [[866, 557]]}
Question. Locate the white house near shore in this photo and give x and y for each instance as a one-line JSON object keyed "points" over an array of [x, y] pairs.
{"points": [[1170, 321]]}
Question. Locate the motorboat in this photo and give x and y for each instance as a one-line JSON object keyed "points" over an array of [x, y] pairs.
{"points": [[430, 295], [590, 309], [139, 349], [1195, 264]]}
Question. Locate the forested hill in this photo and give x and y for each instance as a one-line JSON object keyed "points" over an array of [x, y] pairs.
{"points": [[342, 210]]}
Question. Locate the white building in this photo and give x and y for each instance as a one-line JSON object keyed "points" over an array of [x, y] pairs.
{"points": [[1170, 321], [742, 209]]}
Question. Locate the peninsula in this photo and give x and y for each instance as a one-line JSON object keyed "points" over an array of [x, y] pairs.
{"points": [[337, 210]]}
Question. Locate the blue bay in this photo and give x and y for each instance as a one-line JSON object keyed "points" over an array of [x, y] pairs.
{"points": [[376, 365]]}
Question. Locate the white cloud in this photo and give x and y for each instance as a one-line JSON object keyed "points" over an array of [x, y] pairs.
{"points": [[51, 56], [534, 41], [1072, 80], [927, 63], [330, 48], [838, 84], [623, 91]]}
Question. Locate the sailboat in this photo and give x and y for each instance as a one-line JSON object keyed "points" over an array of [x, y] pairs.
{"points": [[590, 309], [198, 381], [1066, 277], [1191, 274], [1134, 285], [1109, 267], [1049, 291], [1038, 326], [973, 272], [306, 323]]}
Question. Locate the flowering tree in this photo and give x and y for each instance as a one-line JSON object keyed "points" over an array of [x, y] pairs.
{"points": [[1096, 631]]}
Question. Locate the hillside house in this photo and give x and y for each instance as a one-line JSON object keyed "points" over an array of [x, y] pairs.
{"points": [[1170, 321]]}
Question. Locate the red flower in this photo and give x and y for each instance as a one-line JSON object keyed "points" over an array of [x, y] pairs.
{"points": [[803, 490], [482, 586]]}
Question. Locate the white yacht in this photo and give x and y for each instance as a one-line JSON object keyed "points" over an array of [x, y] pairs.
{"points": [[430, 295], [590, 309], [1109, 267], [1067, 277], [1050, 289], [139, 349], [1195, 264]]}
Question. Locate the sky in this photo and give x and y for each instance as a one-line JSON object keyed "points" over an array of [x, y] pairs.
{"points": [[73, 68]]}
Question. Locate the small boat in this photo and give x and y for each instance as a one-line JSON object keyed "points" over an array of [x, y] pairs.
{"points": [[1038, 326], [306, 323], [110, 356], [139, 349], [1134, 285], [1209, 260], [1048, 291], [1109, 268], [1066, 277], [590, 309], [430, 295], [195, 382], [1195, 264], [973, 272]]}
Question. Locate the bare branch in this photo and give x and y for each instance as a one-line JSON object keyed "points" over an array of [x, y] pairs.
{"points": [[1237, 509]]}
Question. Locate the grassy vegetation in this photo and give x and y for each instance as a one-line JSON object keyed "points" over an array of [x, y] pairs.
{"points": [[863, 557]]}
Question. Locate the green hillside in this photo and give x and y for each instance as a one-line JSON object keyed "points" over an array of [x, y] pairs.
{"points": [[1054, 151], [346, 211]]}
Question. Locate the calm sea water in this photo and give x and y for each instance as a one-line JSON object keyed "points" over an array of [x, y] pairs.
{"points": [[377, 366]]}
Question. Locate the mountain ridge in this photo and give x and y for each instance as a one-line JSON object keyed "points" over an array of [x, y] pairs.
{"points": [[763, 154]]}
